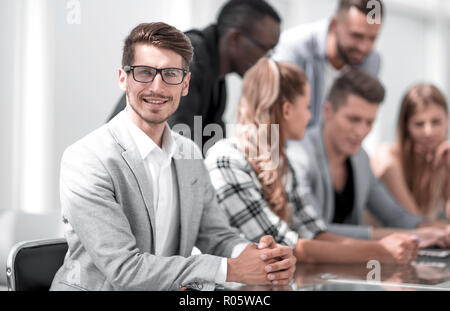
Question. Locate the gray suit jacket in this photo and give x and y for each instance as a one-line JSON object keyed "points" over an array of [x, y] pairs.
{"points": [[305, 46], [310, 162], [109, 218]]}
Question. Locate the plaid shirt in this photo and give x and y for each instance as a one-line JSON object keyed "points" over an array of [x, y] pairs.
{"points": [[240, 193]]}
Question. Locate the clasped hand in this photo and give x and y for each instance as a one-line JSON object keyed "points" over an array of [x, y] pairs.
{"points": [[264, 263]]}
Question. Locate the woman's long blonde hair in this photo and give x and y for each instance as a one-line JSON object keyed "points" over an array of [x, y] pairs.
{"points": [[261, 134], [426, 184]]}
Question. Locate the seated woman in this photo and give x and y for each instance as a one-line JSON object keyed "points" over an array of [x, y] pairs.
{"points": [[416, 168], [256, 185]]}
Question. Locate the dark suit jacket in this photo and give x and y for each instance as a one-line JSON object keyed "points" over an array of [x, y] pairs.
{"points": [[207, 90]]}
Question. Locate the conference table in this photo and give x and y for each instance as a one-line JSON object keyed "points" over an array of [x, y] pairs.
{"points": [[423, 274]]}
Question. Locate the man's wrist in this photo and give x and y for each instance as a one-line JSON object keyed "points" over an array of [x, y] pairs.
{"points": [[380, 251], [231, 270]]}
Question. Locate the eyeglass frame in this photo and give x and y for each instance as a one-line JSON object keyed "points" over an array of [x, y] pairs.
{"points": [[129, 68], [263, 47]]}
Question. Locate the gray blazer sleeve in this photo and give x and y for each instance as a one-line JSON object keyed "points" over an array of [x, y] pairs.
{"points": [[349, 230], [383, 206], [90, 207]]}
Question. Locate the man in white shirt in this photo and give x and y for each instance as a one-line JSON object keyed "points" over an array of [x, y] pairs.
{"points": [[136, 197], [324, 48]]}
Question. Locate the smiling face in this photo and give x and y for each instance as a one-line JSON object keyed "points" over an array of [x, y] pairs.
{"points": [[354, 35], [428, 127], [347, 126], [154, 102]]}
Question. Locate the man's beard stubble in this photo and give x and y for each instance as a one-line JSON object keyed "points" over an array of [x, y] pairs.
{"points": [[342, 53], [147, 120]]}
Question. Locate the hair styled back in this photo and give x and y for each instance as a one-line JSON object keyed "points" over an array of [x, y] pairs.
{"points": [[160, 35], [266, 86], [423, 182], [364, 6], [243, 14], [357, 82]]}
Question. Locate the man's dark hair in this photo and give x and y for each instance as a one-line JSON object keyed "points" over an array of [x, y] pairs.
{"points": [[364, 6], [243, 14], [160, 35], [357, 82]]}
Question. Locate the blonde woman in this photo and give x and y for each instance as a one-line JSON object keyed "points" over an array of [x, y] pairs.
{"points": [[416, 168], [255, 183]]}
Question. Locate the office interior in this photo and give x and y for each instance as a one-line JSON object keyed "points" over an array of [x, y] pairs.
{"points": [[60, 82]]}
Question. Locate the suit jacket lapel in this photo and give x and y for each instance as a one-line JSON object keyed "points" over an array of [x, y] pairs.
{"points": [[133, 158], [186, 180], [359, 185], [325, 172]]}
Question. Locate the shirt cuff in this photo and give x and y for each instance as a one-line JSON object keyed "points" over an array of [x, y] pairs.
{"points": [[221, 275]]}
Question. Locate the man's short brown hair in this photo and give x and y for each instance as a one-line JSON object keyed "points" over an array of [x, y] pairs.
{"points": [[364, 6], [160, 35], [357, 82]]}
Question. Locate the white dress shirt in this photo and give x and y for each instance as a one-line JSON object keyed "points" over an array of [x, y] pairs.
{"points": [[159, 163]]}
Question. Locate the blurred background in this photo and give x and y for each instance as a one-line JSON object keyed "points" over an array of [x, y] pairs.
{"points": [[60, 61]]}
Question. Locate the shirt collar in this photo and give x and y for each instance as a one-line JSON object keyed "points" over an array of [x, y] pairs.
{"points": [[145, 144]]}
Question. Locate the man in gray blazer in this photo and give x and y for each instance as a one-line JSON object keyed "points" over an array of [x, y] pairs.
{"points": [[136, 197], [322, 49], [337, 170]]}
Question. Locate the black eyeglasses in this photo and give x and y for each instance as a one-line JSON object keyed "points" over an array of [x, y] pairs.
{"points": [[145, 74], [263, 47]]}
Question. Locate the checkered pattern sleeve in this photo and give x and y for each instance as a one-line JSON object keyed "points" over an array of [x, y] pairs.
{"points": [[240, 194], [305, 219]]}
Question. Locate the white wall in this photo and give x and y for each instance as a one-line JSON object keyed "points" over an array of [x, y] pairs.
{"points": [[403, 55], [7, 14], [70, 73]]}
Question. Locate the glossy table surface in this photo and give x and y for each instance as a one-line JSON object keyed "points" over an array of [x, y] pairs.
{"points": [[425, 273]]}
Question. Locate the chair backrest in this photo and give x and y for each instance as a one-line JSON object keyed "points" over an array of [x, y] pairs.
{"points": [[32, 265], [17, 225]]}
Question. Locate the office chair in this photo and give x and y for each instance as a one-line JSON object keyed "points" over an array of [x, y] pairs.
{"points": [[32, 265]]}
